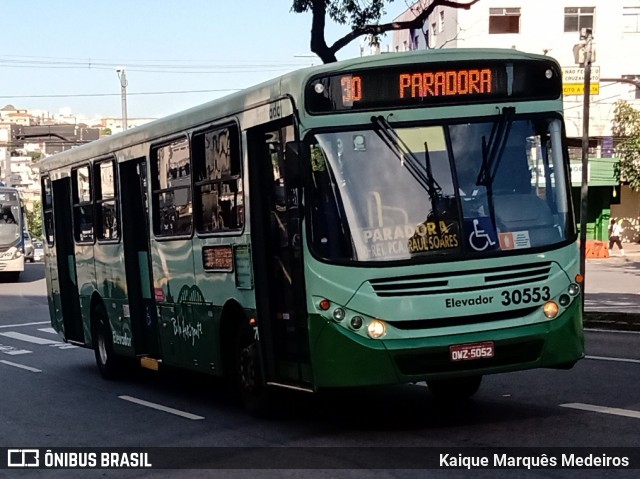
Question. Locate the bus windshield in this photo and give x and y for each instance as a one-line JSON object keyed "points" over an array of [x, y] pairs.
{"points": [[457, 189], [9, 222]]}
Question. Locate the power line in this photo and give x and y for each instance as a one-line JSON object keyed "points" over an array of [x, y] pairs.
{"points": [[181, 66], [79, 95]]}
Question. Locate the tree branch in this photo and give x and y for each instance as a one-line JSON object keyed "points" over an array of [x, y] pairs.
{"points": [[318, 42], [328, 54]]}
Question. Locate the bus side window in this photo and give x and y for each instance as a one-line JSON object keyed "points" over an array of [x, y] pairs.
{"points": [[218, 181], [171, 184], [82, 204], [107, 214]]}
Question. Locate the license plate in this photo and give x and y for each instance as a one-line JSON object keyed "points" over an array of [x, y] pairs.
{"points": [[471, 351]]}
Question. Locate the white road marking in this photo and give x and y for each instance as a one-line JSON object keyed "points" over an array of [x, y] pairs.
{"points": [[37, 340], [620, 360], [21, 366], [48, 330], [611, 331], [6, 326], [160, 407], [606, 410], [28, 338], [11, 351]]}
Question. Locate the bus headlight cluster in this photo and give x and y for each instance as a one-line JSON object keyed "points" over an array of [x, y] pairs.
{"points": [[375, 328], [11, 253]]}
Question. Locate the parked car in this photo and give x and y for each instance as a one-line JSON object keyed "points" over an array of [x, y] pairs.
{"points": [[38, 250], [28, 247]]}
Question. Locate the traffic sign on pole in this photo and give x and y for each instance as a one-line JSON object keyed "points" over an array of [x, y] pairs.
{"points": [[573, 80]]}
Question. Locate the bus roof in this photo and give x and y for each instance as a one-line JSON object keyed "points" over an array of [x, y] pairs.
{"points": [[290, 83]]}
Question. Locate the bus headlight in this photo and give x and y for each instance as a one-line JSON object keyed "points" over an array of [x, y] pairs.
{"points": [[377, 328], [338, 314], [356, 322], [564, 300], [574, 289], [550, 309]]}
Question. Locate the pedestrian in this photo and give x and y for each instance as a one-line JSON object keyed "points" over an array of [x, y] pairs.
{"points": [[615, 234]]}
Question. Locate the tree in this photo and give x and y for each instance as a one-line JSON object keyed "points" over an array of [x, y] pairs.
{"points": [[35, 156], [34, 218], [363, 16], [626, 131]]}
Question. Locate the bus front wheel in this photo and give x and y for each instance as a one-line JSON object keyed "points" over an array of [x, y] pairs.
{"points": [[255, 394], [103, 346], [454, 388]]}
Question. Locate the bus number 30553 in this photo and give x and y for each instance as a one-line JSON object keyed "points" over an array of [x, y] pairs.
{"points": [[526, 295]]}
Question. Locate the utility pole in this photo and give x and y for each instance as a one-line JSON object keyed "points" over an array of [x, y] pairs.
{"points": [[586, 35], [123, 90]]}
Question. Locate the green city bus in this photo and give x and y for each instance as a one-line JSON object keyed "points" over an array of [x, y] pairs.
{"points": [[382, 220]]}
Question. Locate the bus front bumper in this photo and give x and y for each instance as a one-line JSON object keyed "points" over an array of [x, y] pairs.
{"points": [[342, 358], [15, 265]]}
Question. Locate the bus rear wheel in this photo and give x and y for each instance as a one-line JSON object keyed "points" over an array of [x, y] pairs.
{"points": [[454, 389], [106, 360]]}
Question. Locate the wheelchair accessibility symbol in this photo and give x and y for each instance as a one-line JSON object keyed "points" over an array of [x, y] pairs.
{"points": [[479, 239]]}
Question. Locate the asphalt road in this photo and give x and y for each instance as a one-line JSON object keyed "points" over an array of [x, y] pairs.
{"points": [[52, 396]]}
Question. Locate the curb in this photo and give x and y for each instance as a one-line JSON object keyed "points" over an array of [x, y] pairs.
{"points": [[613, 320]]}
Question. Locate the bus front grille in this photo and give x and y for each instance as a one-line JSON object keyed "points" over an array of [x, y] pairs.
{"points": [[438, 361], [413, 324], [456, 281]]}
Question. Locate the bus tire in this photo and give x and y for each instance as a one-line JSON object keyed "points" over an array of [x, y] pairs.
{"points": [[107, 362], [256, 396], [454, 389]]}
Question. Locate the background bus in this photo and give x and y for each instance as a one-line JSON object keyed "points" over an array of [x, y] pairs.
{"points": [[381, 220], [12, 225]]}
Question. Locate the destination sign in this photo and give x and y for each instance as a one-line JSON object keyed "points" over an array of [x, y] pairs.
{"points": [[434, 84]]}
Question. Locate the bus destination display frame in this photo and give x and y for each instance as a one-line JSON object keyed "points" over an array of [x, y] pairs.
{"points": [[433, 84]]}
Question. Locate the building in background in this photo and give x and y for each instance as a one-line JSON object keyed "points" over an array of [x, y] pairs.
{"points": [[553, 28], [115, 124], [27, 136]]}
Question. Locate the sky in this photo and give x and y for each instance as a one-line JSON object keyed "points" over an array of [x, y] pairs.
{"points": [[62, 56]]}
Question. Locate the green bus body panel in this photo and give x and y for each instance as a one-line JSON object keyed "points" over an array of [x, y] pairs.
{"points": [[342, 359], [183, 332]]}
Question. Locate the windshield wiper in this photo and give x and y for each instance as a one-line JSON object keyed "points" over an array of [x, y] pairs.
{"points": [[422, 174], [492, 151]]}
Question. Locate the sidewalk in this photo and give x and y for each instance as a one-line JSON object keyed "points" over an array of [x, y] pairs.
{"points": [[612, 285]]}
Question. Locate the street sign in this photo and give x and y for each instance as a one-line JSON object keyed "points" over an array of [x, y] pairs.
{"points": [[573, 80], [578, 88]]}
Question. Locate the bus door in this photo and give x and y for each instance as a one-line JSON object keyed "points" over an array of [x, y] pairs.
{"points": [[135, 239], [277, 256], [66, 261]]}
